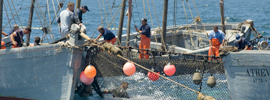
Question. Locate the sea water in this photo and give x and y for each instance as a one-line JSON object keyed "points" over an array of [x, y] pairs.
{"points": [[209, 10]]}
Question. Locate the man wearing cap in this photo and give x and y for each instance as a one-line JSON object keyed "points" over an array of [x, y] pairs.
{"points": [[216, 39], [64, 19], [241, 43], [76, 17], [109, 37], [145, 38], [80, 11]]}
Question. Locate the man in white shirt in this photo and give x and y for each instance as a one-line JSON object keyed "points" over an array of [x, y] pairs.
{"points": [[64, 19]]}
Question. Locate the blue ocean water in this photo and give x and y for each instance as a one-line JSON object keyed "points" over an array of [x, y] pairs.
{"points": [[209, 10]]}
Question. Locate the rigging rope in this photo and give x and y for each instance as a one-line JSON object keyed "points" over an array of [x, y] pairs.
{"points": [[44, 19], [7, 14], [105, 13], [48, 9], [16, 13], [152, 23], [9, 20], [100, 12], [144, 9], [11, 11], [199, 17], [191, 13], [191, 39], [138, 10], [45, 36], [112, 16], [55, 17], [117, 12]]}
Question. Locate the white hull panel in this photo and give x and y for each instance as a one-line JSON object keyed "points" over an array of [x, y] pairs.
{"points": [[248, 74], [42, 72]]}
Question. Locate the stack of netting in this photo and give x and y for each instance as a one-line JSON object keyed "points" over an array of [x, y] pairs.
{"points": [[110, 75]]}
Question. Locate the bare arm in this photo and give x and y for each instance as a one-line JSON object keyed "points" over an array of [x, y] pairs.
{"points": [[12, 38], [98, 37], [3, 33], [246, 47], [210, 42], [222, 42], [137, 29]]}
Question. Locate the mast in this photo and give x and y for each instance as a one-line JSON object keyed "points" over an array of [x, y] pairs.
{"points": [[164, 25], [128, 26], [121, 21], [30, 20], [221, 4], [78, 4], [1, 15]]}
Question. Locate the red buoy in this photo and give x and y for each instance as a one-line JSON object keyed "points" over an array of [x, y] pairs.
{"points": [[84, 79], [169, 69], [153, 76]]}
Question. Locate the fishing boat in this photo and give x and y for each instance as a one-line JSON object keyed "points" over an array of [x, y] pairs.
{"points": [[49, 71], [186, 38], [247, 72]]}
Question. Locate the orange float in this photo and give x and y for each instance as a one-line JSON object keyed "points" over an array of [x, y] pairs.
{"points": [[3, 45], [90, 71]]}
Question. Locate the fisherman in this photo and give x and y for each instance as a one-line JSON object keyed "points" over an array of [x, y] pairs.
{"points": [[15, 28], [37, 40], [76, 17], [120, 91], [109, 37], [64, 19], [3, 33], [216, 39], [241, 43], [80, 11], [145, 38], [16, 37]]}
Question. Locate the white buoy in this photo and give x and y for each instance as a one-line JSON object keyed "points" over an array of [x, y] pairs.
{"points": [[197, 78], [211, 82]]}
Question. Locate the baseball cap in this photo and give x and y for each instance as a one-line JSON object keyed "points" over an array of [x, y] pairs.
{"points": [[85, 7], [237, 37]]}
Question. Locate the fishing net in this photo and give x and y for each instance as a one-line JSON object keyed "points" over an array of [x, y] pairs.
{"points": [[110, 75]]}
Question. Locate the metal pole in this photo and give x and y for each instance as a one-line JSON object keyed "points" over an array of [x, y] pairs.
{"points": [[221, 4], [30, 20], [78, 4], [1, 15], [121, 21], [129, 22], [164, 25]]}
